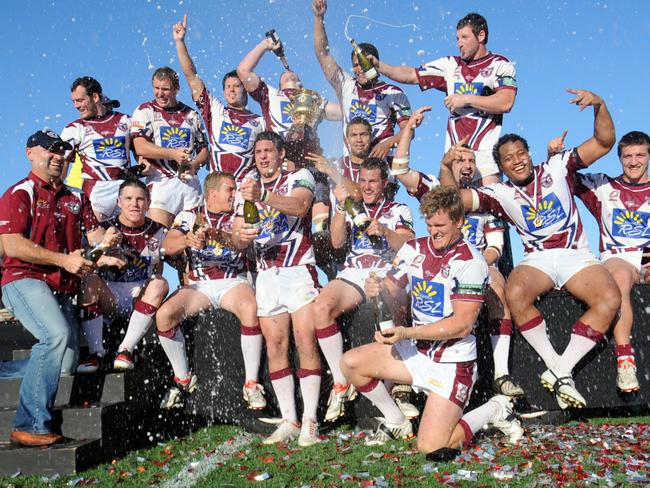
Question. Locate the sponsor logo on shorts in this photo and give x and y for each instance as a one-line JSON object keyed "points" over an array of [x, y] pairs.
{"points": [[629, 223], [174, 137], [360, 109], [461, 392], [427, 297], [435, 383], [110, 148]]}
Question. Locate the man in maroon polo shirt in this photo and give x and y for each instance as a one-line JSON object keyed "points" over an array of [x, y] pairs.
{"points": [[40, 230]]}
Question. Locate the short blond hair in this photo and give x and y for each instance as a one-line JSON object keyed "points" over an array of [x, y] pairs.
{"points": [[213, 179]]}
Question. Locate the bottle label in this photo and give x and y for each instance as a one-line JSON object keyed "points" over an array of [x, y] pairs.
{"points": [[386, 324], [360, 219], [371, 74], [256, 226]]}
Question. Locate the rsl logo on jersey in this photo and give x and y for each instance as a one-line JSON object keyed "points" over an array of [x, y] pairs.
{"points": [[548, 212], [174, 137], [286, 109], [469, 229], [427, 297], [628, 223], [234, 135], [110, 148], [468, 88], [273, 223], [360, 109]]}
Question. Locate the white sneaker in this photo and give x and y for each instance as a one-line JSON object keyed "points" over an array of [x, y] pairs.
{"points": [[626, 379], [339, 395], [308, 433], [285, 432], [401, 394], [505, 419], [254, 395], [564, 389], [176, 395], [387, 432]]}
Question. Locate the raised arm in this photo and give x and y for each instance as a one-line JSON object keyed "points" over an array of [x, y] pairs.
{"points": [[400, 165], [246, 66], [604, 136], [321, 44], [333, 111], [187, 66], [400, 74]]}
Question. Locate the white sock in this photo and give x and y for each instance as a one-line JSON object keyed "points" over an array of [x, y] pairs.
{"points": [[478, 419], [534, 331], [174, 347], [310, 390], [330, 341], [583, 339], [251, 349], [283, 386], [500, 353], [139, 324], [376, 392], [94, 332]]}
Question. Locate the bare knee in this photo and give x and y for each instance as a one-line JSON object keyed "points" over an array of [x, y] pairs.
{"points": [[323, 312], [608, 301], [157, 290], [165, 319]]}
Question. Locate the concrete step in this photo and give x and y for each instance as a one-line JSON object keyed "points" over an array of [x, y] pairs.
{"points": [[66, 458], [93, 422], [14, 336], [140, 387]]}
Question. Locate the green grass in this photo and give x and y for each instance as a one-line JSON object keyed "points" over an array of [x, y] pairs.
{"points": [[601, 450]]}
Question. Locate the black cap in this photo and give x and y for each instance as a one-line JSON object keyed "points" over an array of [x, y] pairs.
{"points": [[48, 139]]}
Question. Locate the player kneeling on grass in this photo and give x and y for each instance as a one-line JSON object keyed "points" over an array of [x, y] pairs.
{"points": [[217, 280], [447, 277]]}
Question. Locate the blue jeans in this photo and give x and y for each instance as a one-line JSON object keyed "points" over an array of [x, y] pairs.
{"points": [[52, 319]]}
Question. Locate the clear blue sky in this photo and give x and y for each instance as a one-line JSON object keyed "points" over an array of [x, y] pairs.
{"points": [[601, 46]]}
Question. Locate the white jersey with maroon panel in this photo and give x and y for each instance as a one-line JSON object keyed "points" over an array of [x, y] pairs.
{"points": [[232, 133], [362, 254], [215, 261], [177, 128], [284, 240], [621, 209], [484, 76], [277, 106], [383, 105], [141, 248], [435, 278], [544, 212], [103, 145]]}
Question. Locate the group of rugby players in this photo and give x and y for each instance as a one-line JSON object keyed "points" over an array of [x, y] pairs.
{"points": [[264, 272]]}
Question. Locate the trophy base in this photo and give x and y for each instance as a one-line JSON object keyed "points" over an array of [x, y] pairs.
{"points": [[300, 140]]}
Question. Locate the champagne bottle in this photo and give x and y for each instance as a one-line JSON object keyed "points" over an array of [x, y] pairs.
{"points": [[279, 51], [252, 215], [199, 224], [361, 220], [383, 316], [94, 253], [369, 70], [182, 172]]}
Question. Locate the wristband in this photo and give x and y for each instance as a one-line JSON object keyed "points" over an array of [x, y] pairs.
{"points": [[399, 166], [265, 195], [340, 208]]}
